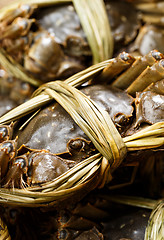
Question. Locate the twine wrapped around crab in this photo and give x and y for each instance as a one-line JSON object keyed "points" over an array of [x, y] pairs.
{"points": [[77, 173], [96, 124]]}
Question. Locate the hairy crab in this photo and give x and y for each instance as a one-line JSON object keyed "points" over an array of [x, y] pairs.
{"points": [[37, 50], [51, 143], [72, 143], [24, 29]]}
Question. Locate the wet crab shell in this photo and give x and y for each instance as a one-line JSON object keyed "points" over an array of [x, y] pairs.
{"points": [[46, 59], [149, 37], [127, 223], [53, 128], [64, 22], [45, 167], [70, 35], [124, 26], [149, 107]]}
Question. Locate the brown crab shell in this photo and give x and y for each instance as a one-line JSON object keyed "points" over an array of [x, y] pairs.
{"points": [[52, 128], [46, 166], [149, 107], [149, 37]]}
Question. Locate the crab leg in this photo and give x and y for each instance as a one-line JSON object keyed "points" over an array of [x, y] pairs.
{"points": [[16, 44], [121, 62], [22, 11], [126, 78], [7, 153], [148, 76], [151, 7], [6, 132], [153, 19], [14, 177], [19, 27], [157, 87]]}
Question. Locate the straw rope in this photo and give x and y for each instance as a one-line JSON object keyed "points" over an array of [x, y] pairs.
{"points": [[98, 35], [155, 227], [4, 234]]}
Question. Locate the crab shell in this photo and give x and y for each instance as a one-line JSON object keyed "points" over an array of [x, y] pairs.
{"points": [[149, 37], [52, 128]]}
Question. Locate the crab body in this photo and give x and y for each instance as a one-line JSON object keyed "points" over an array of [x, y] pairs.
{"points": [[55, 123]]}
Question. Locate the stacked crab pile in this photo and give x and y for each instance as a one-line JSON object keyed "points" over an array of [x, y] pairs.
{"points": [[42, 142]]}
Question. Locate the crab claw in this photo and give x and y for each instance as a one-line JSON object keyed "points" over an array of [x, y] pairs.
{"points": [[14, 176], [19, 27], [22, 11], [7, 153], [6, 132]]}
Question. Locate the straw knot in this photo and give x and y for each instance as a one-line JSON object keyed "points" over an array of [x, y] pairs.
{"points": [[92, 119]]}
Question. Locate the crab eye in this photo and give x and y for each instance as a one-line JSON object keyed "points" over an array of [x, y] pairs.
{"points": [[25, 86], [26, 8], [8, 146], [21, 162], [76, 144], [125, 56], [3, 132], [63, 234], [13, 214], [157, 55]]}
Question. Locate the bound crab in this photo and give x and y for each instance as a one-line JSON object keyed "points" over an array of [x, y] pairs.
{"points": [[66, 148]]}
